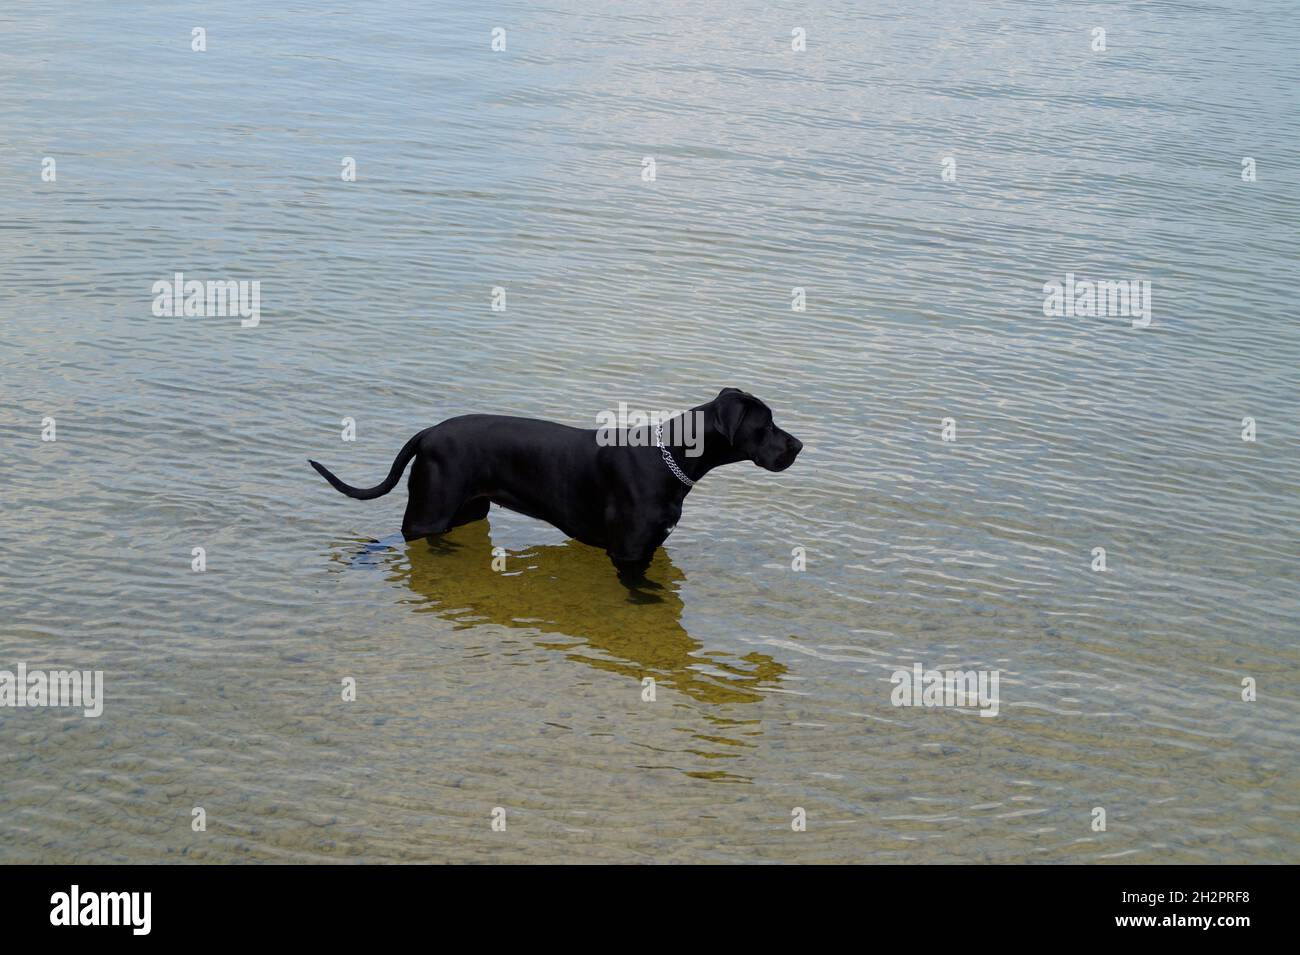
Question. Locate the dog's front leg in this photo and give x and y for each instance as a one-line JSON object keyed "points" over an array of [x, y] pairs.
{"points": [[631, 552], [631, 572]]}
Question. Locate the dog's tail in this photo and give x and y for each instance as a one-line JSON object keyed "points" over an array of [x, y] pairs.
{"points": [[379, 490]]}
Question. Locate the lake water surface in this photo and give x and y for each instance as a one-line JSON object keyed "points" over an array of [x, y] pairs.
{"points": [[774, 170]]}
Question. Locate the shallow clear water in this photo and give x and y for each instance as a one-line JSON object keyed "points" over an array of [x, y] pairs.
{"points": [[818, 169]]}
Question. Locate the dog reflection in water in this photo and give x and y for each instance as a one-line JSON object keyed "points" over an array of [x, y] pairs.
{"points": [[565, 594]]}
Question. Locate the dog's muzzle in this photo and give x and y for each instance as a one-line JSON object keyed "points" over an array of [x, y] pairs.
{"points": [[786, 457]]}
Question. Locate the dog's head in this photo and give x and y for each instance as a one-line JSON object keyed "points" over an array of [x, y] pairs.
{"points": [[747, 424]]}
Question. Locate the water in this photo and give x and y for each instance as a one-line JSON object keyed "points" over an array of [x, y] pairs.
{"points": [[774, 170]]}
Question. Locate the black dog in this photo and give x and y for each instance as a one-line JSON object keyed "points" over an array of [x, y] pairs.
{"points": [[624, 499]]}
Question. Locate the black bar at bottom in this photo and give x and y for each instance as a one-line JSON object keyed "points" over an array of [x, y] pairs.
{"points": [[945, 904]]}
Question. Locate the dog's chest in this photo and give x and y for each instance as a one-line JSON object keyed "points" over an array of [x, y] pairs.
{"points": [[670, 520]]}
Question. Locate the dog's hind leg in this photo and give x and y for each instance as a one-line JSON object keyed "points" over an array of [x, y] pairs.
{"points": [[431, 506], [472, 510]]}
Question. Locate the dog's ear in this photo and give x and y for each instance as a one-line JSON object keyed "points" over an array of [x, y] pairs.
{"points": [[728, 411]]}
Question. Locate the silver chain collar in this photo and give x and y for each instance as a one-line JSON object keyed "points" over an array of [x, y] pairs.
{"points": [[668, 457]]}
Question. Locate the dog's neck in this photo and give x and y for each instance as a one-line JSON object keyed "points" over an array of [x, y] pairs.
{"points": [[716, 450]]}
